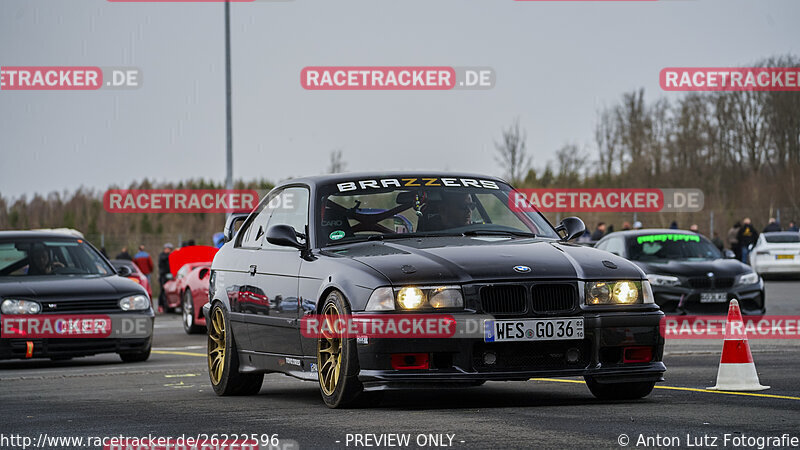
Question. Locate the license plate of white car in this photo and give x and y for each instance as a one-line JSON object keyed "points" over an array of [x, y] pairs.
{"points": [[713, 297], [555, 329]]}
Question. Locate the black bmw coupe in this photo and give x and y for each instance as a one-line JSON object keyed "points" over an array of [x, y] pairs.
{"points": [[369, 257]]}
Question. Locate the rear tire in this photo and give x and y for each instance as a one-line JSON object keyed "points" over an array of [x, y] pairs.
{"points": [[337, 362], [189, 318], [620, 391], [223, 360]]}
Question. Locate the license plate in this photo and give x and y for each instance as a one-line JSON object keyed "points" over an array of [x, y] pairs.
{"points": [[713, 297], [556, 329], [784, 256]]}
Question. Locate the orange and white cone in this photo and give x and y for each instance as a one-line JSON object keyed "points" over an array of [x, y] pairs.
{"points": [[737, 371]]}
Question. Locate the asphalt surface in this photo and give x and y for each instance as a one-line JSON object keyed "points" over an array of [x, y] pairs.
{"points": [[170, 396]]}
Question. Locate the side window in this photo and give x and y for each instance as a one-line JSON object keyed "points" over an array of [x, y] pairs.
{"points": [[254, 233], [616, 246], [290, 207], [601, 245]]}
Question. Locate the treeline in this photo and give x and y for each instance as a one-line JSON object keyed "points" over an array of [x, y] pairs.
{"points": [[741, 148], [83, 210]]}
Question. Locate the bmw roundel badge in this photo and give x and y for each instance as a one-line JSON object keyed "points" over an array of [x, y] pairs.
{"points": [[522, 269]]}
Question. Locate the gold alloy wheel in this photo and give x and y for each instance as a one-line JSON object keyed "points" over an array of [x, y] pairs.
{"points": [[329, 351], [216, 346]]}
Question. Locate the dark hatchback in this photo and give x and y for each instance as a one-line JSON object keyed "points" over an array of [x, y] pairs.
{"points": [[60, 298], [392, 244], [687, 272]]}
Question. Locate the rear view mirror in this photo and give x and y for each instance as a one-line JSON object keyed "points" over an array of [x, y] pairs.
{"points": [[729, 254], [124, 271], [572, 227], [283, 235]]}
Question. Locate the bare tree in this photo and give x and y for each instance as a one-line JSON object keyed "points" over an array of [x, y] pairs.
{"points": [[512, 154], [337, 164]]}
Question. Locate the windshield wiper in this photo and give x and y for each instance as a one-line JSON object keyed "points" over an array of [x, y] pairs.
{"points": [[499, 232]]}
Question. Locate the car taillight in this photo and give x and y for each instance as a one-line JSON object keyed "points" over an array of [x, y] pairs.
{"points": [[637, 355]]}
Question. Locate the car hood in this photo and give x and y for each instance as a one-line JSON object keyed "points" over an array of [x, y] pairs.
{"points": [[67, 287], [467, 259], [719, 267]]}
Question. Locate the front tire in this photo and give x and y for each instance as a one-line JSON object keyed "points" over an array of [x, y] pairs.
{"points": [[137, 356], [189, 325], [620, 391], [337, 359], [223, 360]]}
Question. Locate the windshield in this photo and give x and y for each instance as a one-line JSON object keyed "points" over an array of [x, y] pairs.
{"points": [[782, 238], [417, 207], [33, 257], [671, 247]]}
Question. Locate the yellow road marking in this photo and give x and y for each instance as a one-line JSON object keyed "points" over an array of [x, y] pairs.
{"points": [[676, 388], [170, 352]]}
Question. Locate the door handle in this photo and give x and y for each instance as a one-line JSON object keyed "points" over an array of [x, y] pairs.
{"points": [[252, 270]]}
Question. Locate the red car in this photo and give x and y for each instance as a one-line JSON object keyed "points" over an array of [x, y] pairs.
{"points": [[188, 288], [136, 274]]}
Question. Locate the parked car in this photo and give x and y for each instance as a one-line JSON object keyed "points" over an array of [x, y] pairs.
{"points": [[776, 253], [183, 264], [333, 247], [60, 298], [687, 272], [136, 274]]}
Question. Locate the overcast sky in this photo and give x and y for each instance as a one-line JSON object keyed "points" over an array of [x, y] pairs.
{"points": [[557, 64]]}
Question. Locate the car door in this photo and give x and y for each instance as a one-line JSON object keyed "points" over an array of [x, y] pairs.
{"points": [[274, 328], [242, 294]]}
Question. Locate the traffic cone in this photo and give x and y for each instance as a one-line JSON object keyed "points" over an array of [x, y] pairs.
{"points": [[737, 372]]}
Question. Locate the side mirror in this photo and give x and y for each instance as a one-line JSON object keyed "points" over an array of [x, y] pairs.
{"points": [[729, 254], [572, 227], [124, 271], [283, 235], [230, 225]]}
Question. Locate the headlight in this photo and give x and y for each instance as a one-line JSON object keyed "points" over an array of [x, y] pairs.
{"points": [[416, 298], [614, 292], [663, 280], [134, 303], [11, 306], [748, 278]]}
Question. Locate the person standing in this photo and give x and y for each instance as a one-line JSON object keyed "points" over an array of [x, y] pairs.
{"points": [[694, 228], [599, 231], [747, 237], [143, 260], [793, 226], [733, 240], [163, 270], [773, 225], [124, 254]]}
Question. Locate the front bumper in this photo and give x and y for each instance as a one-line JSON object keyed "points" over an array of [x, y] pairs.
{"points": [[462, 361], [684, 300], [137, 327]]}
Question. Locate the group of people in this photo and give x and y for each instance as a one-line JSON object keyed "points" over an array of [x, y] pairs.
{"points": [[144, 262], [742, 236]]}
